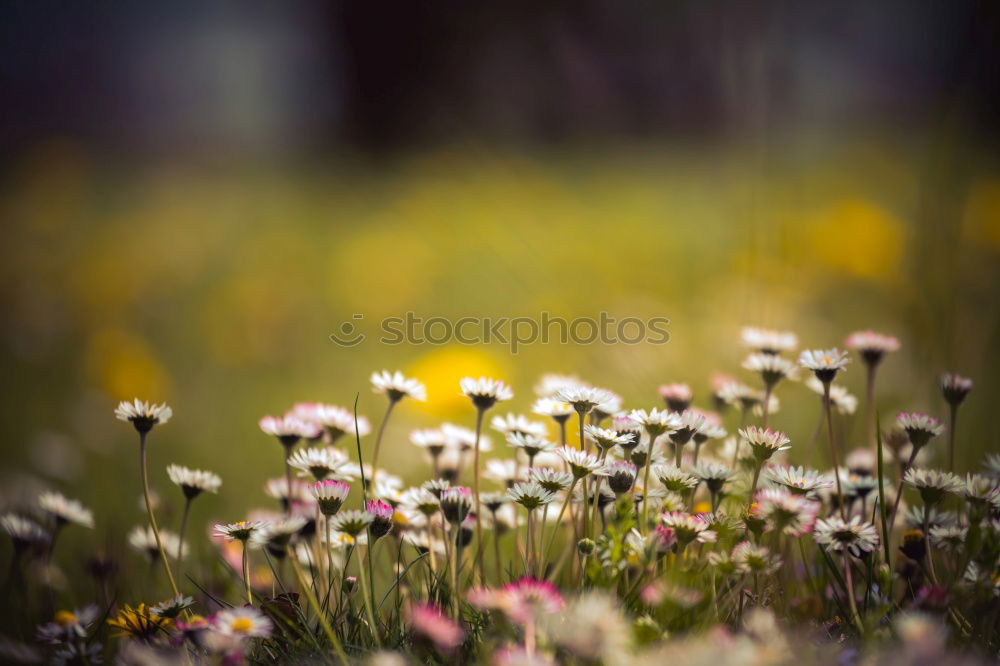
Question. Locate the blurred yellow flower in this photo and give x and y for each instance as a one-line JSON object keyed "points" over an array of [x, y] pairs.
{"points": [[441, 369]]}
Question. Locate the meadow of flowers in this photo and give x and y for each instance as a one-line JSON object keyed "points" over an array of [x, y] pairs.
{"points": [[592, 532]]}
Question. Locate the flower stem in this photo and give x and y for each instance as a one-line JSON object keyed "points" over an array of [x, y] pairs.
{"points": [[246, 573], [378, 439], [562, 512], [833, 448], [149, 511], [475, 491], [180, 537]]}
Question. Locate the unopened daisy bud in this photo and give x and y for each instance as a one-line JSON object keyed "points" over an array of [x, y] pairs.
{"points": [[585, 546], [621, 476], [663, 539], [330, 495], [350, 586], [871, 346], [143, 415], [955, 388], [455, 503], [382, 514], [485, 392], [676, 396]]}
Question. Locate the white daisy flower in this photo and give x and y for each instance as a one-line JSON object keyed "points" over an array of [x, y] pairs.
{"points": [[242, 622], [143, 539], [432, 440], [23, 531], [933, 484], [677, 397], [485, 392], [238, 531], [517, 424], [785, 511], [580, 463], [320, 463], [194, 481], [334, 420], [530, 444], [143, 415], [530, 495], [604, 438], [172, 607], [289, 429], [688, 528], [584, 399], [751, 558], [550, 479], [824, 362], [771, 368], [330, 495], [656, 421], [798, 480], [464, 439], [421, 500], [505, 472], [395, 386], [675, 479], [65, 510], [277, 534], [854, 536], [949, 539], [764, 442], [921, 428], [768, 341], [871, 346], [557, 409]]}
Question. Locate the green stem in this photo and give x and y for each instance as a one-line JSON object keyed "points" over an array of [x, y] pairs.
{"points": [[475, 491], [833, 448], [149, 511], [378, 439], [180, 536], [246, 573]]}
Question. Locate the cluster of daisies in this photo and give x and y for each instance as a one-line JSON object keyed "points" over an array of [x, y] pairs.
{"points": [[588, 532]]}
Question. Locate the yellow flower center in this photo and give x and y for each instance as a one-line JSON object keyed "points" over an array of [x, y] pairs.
{"points": [[65, 618], [242, 624]]}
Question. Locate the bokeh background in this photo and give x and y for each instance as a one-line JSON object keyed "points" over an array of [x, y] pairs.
{"points": [[195, 195]]}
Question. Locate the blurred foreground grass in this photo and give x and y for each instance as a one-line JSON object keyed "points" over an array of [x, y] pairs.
{"points": [[215, 288]]}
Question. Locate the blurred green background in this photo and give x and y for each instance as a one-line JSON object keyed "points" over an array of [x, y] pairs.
{"points": [[189, 224]]}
